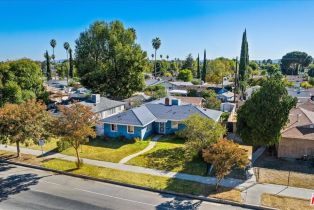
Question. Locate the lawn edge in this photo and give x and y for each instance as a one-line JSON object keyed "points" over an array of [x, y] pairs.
{"points": [[202, 198]]}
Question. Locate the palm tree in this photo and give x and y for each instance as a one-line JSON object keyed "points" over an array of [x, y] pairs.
{"points": [[156, 44], [66, 46], [160, 56], [53, 44], [167, 57]]}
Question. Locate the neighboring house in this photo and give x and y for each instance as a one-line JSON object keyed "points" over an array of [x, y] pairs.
{"points": [[103, 106], [136, 100], [226, 96], [297, 138], [152, 81], [166, 118], [249, 91], [196, 101]]}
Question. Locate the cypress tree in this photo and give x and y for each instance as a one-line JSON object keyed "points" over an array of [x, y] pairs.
{"points": [[198, 67], [71, 73], [244, 58], [48, 70], [204, 70]]}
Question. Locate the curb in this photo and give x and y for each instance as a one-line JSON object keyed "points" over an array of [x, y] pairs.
{"points": [[202, 198]]}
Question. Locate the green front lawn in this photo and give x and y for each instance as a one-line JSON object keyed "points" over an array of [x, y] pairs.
{"points": [[168, 154], [111, 150]]}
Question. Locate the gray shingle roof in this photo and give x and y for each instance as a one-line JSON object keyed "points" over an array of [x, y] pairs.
{"points": [[139, 116], [180, 112], [104, 104]]}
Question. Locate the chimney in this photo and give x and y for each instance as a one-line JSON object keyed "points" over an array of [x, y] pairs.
{"points": [[167, 101], [96, 98]]}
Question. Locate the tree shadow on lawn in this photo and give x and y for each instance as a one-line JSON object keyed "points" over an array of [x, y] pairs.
{"points": [[15, 184], [48, 153], [175, 160], [111, 143]]}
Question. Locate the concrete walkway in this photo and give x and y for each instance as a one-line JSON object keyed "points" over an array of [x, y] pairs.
{"points": [[151, 145], [253, 194], [251, 191]]}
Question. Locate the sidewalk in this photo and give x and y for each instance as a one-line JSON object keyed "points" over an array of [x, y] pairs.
{"points": [[251, 191], [232, 183]]}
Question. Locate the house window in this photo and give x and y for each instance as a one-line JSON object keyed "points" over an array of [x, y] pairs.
{"points": [[114, 127], [150, 127], [130, 129], [174, 124]]}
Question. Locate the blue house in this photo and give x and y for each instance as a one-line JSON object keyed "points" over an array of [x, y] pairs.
{"points": [[163, 118]]}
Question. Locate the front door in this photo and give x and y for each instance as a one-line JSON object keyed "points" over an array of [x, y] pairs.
{"points": [[161, 127]]}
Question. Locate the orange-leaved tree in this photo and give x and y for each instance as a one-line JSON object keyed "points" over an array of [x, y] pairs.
{"points": [[75, 125], [225, 155], [27, 120]]}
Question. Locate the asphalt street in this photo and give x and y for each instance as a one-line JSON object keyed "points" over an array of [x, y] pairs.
{"points": [[25, 188]]}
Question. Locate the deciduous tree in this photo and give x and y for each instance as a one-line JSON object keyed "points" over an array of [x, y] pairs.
{"points": [[109, 60], [224, 156], [185, 75], [200, 132], [75, 125], [20, 122]]}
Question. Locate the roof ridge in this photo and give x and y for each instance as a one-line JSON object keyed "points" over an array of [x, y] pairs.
{"points": [[306, 112], [137, 116]]}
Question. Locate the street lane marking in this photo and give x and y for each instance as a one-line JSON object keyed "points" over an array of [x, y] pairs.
{"points": [[110, 196]]}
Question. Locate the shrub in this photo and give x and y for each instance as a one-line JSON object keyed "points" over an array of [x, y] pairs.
{"points": [[185, 75], [306, 85], [137, 139], [311, 81], [63, 145], [196, 81]]}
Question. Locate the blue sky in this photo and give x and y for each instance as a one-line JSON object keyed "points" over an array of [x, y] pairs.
{"points": [[184, 26]]}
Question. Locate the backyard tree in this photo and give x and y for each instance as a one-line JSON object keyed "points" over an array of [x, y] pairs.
{"points": [[204, 69], [20, 122], [71, 69], [109, 61], [185, 75], [198, 69], [75, 125], [295, 61], [188, 63], [19, 80], [244, 63], [211, 100], [199, 133], [264, 114], [48, 69], [223, 156]]}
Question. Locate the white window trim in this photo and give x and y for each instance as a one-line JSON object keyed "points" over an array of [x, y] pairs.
{"points": [[127, 129], [115, 126], [177, 125]]}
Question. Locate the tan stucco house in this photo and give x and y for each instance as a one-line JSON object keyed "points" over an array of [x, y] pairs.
{"points": [[298, 136]]}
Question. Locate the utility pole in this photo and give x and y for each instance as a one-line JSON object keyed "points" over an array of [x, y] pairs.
{"points": [[235, 79]]}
